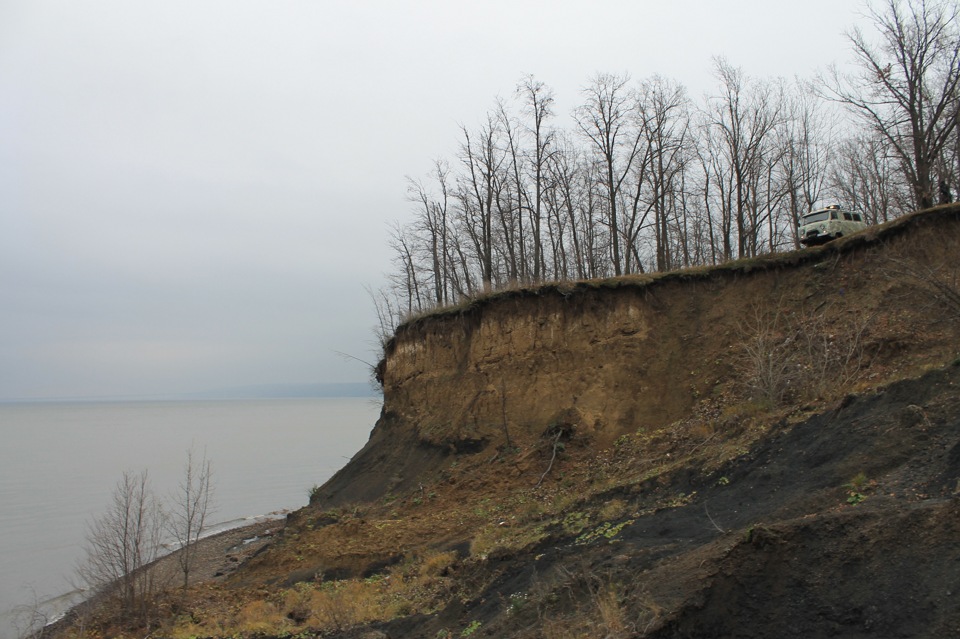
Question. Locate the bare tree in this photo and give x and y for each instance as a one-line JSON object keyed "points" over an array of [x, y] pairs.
{"points": [[406, 282], [388, 315], [31, 620], [664, 109], [741, 119], [948, 169], [568, 205], [864, 176], [538, 102], [433, 227], [806, 140], [605, 120], [122, 543], [191, 505], [511, 200], [908, 87], [483, 160]]}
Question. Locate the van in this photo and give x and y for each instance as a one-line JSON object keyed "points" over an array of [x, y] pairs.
{"points": [[822, 225]]}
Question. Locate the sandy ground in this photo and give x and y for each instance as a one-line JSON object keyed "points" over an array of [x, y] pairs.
{"points": [[219, 555]]}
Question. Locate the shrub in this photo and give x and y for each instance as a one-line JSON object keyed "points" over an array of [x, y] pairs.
{"points": [[258, 617], [806, 354]]}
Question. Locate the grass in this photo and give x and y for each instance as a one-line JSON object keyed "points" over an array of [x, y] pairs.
{"points": [[414, 586]]}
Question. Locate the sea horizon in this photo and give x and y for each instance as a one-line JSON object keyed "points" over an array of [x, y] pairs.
{"points": [[297, 390]]}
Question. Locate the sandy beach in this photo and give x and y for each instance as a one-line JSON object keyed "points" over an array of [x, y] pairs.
{"points": [[219, 555]]}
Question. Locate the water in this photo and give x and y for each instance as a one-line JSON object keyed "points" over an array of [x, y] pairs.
{"points": [[59, 464]]}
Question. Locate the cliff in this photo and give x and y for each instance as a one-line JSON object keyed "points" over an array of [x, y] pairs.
{"points": [[770, 447], [602, 359]]}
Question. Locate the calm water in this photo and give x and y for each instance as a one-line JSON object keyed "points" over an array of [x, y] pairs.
{"points": [[59, 463]]}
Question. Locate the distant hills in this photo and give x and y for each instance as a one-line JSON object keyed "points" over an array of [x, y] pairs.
{"points": [[257, 391], [290, 391]]}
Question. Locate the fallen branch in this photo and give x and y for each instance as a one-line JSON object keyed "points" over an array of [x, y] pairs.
{"points": [[556, 442], [702, 443], [719, 529]]}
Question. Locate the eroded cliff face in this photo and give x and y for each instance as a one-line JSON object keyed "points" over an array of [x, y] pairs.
{"points": [[602, 359]]}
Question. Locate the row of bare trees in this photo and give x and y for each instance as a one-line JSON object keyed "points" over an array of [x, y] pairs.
{"points": [[125, 541], [647, 178]]}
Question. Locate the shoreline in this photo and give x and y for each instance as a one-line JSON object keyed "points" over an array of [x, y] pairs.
{"points": [[45, 525], [216, 557], [221, 553]]}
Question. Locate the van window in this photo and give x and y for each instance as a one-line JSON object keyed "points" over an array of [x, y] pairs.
{"points": [[848, 217], [833, 216], [810, 218], [857, 217]]}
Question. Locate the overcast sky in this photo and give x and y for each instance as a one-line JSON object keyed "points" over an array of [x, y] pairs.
{"points": [[195, 194]]}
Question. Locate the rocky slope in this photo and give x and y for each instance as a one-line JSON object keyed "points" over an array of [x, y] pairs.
{"points": [[766, 448]]}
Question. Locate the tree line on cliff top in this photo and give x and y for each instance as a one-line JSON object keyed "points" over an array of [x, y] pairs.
{"points": [[649, 179]]}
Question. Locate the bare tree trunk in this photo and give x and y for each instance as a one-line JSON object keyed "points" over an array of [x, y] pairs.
{"points": [[483, 166], [191, 505], [122, 543], [539, 101], [604, 120]]}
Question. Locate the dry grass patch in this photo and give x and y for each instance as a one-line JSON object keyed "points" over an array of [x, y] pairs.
{"points": [[417, 585], [257, 617]]}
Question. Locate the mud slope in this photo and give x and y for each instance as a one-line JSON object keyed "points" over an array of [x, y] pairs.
{"points": [[767, 546]]}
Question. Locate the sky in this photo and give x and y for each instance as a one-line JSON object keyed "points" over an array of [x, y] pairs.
{"points": [[197, 195]]}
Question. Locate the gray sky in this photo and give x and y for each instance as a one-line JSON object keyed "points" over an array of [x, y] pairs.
{"points": [[194, 194]]}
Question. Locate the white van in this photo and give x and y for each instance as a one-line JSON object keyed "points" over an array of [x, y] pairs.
{"points": [[823, 225]]}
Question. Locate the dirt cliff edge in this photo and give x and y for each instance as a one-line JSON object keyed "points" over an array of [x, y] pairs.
{"points": [[609, 358]]}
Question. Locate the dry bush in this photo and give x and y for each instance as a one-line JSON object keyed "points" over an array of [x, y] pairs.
{"points": [[937, 283], [493, 537], [297, 603], [343, 604], [333, 606], [258, 617], [565, 628], [436, 564], [610, 613], [605, 607], [613, 509], [768, 354], [188, 630], [808, 354], [832, 354], [339, 605]]}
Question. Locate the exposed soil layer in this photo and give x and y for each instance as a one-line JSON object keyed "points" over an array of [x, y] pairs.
{"points": [[641, 352], [840, 521]]}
